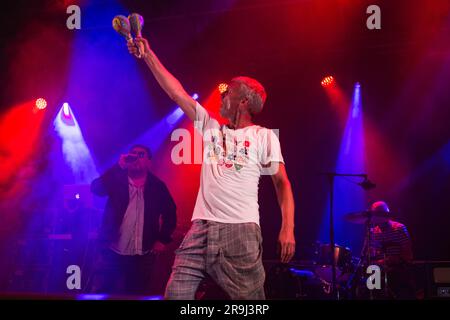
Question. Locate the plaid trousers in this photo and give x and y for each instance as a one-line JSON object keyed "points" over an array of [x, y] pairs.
{"points": [[230, 253]]}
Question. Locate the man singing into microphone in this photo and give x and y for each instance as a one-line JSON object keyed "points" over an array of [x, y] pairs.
{"points": [[224, 241], [139, 218]]}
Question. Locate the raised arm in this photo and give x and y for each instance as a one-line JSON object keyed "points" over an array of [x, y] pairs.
{"points": [[166, 80], [103, 184]]}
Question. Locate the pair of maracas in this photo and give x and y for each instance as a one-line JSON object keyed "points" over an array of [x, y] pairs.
{"points": [[125, 26]]}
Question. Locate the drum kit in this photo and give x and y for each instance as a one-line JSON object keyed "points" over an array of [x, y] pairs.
{"points": [[351, 276]]}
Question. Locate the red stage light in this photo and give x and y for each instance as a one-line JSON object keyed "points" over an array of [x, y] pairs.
{"points": [[222, 87], [41, 103], [327, 81]]}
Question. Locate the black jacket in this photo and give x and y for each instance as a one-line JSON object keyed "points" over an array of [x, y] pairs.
{"points": [[158, 203]]}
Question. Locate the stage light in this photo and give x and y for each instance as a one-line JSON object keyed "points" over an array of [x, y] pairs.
{"points": [[327, 81], [41, 103], [77, 196], [176, 115], [195, 96], [222, 87], [356, 100], [74, 148], [66, 110]]}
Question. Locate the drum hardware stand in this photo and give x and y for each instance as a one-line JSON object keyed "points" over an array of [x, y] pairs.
{"points": [[355, 273], [331, 177], [386, 288], [368, 225], [365, 258]]}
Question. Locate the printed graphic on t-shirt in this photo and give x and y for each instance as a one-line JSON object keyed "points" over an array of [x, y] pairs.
{"points": [[232, 154]]}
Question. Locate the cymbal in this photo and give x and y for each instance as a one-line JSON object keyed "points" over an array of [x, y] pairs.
{"points": [[362, 217]]}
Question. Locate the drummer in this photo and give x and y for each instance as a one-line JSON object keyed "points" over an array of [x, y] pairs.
{"points": [[391, 249]]}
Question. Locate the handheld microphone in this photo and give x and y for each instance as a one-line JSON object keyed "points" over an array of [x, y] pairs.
{"points": [[131, 158]]}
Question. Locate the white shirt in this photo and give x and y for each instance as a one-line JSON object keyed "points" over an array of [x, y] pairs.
{"points": [[132, 227], [231, 168]]}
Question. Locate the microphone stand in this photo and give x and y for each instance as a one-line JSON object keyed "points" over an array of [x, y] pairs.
{"points": [[331, 177]]}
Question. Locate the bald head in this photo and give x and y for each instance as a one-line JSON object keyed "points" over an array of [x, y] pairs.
{"points": [[379, 206]]}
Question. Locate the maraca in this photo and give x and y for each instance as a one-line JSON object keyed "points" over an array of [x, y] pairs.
{"points": [[122, 25], [136, 23]]}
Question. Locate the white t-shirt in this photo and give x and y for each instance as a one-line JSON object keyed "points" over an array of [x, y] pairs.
{"points": [[232, 165]]}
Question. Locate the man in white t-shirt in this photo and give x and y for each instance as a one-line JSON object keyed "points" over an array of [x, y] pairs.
{"points": [[225, 240]]}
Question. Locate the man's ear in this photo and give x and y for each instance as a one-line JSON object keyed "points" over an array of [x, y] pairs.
{"points": [[243, 104]]}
